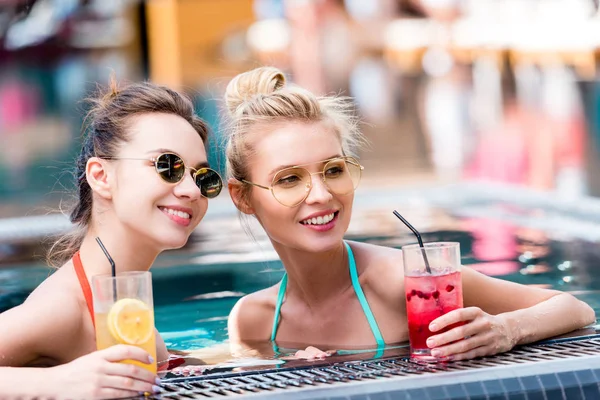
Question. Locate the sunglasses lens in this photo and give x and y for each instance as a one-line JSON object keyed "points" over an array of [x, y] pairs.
{"points": [[291, 186], [342, 175], [209, 182], [170, 167]]}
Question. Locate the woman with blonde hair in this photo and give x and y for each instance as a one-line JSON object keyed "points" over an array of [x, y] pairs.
{"points": [[292, 165]]}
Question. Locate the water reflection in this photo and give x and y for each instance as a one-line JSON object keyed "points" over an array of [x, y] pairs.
{"points": [[445, 96], [195, 288], [530, 257]]}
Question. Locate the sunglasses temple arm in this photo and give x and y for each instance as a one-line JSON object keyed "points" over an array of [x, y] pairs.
{"points": [[255, 184]]}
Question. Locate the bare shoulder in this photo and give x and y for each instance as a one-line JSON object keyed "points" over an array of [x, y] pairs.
{"points": [[59, 298], [374, 259], [380, 268], [251, 317], [56, 291], [43, 327]]}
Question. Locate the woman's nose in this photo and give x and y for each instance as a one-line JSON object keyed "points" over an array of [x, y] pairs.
{"points": [[319, 192], [187, 188]]}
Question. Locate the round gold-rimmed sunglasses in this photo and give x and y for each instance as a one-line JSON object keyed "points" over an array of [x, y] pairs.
{"points": [[171, 168], [292, 185]]}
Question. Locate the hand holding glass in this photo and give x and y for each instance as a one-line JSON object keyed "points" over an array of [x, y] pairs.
{"points": [[124, 312], [430, 295]]}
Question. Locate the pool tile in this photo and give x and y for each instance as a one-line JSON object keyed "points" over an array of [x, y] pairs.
{"points": [[436, 393], [570, 385], [513, 389], [475, 390], [533, 387], [456, 391], [556, 395], [494, 388], [591, 391], [414, 394], [380, 396], [586, 377], [552, 386], [589, 384], [596, 373], [353, 397]]}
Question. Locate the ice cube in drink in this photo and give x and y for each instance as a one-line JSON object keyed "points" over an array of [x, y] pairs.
{"points": [[427, 298]]}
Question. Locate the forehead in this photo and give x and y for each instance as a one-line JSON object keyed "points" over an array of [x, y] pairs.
{"points": [[295, 143], [152, 131]]}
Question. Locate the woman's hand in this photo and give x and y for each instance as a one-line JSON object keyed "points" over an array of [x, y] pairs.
{"points": [[312, 353], [480, 334], [99, 375]]}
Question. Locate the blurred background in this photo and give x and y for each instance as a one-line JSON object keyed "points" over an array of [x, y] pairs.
{"points": [[483, 118], [449, 90]]}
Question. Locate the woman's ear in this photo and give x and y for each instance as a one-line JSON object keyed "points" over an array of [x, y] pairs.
{"points": [[236, 193], [97, 177]]}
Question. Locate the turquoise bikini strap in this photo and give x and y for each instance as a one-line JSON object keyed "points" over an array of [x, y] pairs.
{"points": [[361, 298], [280, 297], [363, 302]]}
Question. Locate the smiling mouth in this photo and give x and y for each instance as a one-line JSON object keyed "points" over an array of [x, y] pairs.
{"points": [[321, 220], [176, 213]]}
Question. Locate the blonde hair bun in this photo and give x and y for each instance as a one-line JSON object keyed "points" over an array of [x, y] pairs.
{"points": [[242, 88]]}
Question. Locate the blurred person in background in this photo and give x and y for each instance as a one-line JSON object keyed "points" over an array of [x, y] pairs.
{"points": [[290, 166], [143, 184]]}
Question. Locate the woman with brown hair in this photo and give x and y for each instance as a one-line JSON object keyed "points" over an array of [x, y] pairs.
{"points": [[143, 186]]}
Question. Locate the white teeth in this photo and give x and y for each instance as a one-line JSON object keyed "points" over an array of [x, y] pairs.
{"points": [[322, 220], [180, 214]]}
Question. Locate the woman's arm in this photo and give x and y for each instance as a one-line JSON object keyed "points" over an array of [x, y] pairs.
{"points": [[531, 313], [499, 315], [563, 312], [249, 325], [246, 325], [162, 354], [40, 332], [94, 376]]}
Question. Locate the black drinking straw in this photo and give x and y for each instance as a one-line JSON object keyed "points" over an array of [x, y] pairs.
{"points": [[112, 267], [418, 235]]}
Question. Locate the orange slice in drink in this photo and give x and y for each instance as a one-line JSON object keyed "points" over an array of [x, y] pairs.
{"points": [[130, 321]]}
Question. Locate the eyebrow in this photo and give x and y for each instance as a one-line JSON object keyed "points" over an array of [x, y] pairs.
{"points": [[203, 164], [279, 168], [161, 150]]}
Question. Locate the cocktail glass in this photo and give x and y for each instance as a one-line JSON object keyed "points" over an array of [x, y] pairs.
{"points": [[124, 312], [430, 295]]}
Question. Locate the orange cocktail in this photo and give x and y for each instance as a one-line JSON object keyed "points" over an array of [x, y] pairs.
{"points": [[124, 312]]}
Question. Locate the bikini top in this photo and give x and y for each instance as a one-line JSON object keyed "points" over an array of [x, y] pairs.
{"points": [[357, 289], [85, 285]]}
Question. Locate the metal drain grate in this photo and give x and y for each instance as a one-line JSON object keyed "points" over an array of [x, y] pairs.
{"points": [[283, 379]]}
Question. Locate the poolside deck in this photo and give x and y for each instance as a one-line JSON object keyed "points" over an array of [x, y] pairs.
{"points": [[566, 368]]}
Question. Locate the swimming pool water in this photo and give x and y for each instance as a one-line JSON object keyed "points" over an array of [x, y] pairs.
{"points": [[192, 323], [192, 300]]}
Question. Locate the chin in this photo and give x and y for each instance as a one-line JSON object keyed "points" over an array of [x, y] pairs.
{"points": [[319, 245], [174, 242]]}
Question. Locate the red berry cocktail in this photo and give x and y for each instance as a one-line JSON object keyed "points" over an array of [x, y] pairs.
{"points": [[430, 292]]}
